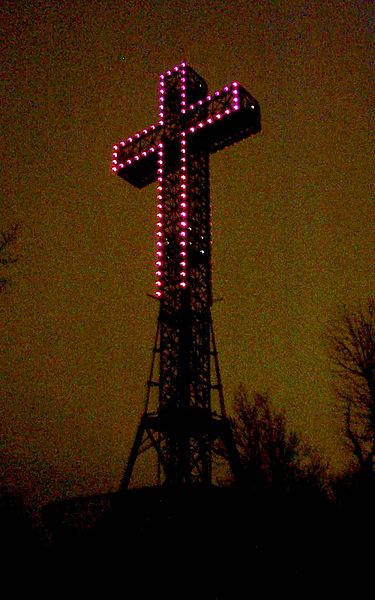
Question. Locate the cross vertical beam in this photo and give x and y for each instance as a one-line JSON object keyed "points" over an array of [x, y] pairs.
{"points": [[182, 425]]}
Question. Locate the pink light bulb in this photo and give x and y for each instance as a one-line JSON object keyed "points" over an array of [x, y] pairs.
{"points": [[191, 106], [159, 234], [115, 147], [169, 73], [183, 111], [158, 253], [159, 206], [158, 273], [161, 122], [121, 166], [183, 263], [236, 107], [183, 214], [122, 143], [182, 253], [158, 262], [158, 294], [159, 244], [208, 98], [159, 224], [183, 274], [145, 131], [183, 284], [183, 233], [152, 149], [159, 215], [226, 89], [114, 169], [136, 157], [158, 283], [227, 112], [114, 162], [137, 135], [130, 139], [128, 162], [183, 204], [183, 224], [175, 68], [235, 84], [217, 93], [183, 244], [218, 116], [144, 153], [209, 120]]}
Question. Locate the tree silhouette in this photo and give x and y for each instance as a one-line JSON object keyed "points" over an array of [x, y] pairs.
{"points": [[7, 256], [352, 352], [273, 457]]}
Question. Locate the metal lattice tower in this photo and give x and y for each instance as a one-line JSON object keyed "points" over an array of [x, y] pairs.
{"points": [[182, 425]]}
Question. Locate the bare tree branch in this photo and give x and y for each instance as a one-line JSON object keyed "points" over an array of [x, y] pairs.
{"points": [[352, 352]]}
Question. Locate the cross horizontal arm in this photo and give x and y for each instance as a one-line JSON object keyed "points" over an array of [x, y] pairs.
{"points": [[223, 119], [218, 121]]}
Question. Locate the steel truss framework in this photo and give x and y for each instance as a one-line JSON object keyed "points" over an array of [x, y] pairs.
{"points": [[183, 424]]}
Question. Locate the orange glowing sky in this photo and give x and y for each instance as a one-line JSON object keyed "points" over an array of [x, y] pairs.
{"points": [[293, 217]]}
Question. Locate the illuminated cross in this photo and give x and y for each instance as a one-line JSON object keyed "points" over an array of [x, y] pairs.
{"points": [[184, 429]]}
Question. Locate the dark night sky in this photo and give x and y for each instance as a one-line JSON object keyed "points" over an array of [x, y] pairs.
{"points": [[292, 211]]}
